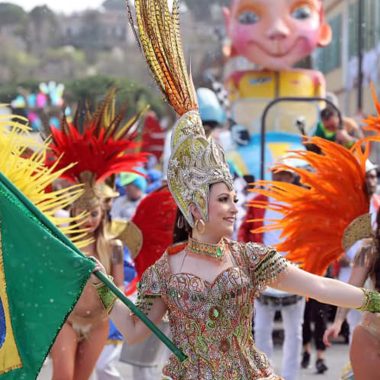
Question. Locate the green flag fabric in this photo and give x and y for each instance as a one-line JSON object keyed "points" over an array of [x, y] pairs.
{"points": [[42, 275]]}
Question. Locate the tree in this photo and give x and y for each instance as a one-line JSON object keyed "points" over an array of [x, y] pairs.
{"points": [[11, 14], [42, 29], [92, 89], [114, 5], [201, 8]]}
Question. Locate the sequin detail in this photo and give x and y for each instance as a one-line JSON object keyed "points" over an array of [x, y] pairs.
{"points": [[211, 322]]}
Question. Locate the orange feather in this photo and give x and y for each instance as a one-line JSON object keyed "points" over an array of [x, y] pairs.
{"points": [[315, 216]]}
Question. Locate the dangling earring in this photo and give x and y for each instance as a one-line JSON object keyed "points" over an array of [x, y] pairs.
{"points": [[202, 223], [180, 222]]}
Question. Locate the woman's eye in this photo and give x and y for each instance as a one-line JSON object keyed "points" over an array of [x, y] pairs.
{"points": [[224, 199], [94, 214], [302, 13], [236, 200], [248, 17]]}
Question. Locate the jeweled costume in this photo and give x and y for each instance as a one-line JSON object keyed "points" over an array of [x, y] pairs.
{"points": [[210, 322]]}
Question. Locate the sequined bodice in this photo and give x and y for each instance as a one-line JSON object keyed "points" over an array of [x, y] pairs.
{"points": [[211, 322]]}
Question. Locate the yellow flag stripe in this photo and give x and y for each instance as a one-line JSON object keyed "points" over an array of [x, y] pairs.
{"points": [[9, 356]]}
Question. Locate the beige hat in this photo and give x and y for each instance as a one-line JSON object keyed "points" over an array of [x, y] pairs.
{"points": [[370, 166]]}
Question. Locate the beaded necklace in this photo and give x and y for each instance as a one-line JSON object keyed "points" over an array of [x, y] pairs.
{"points": [[207, 249]]}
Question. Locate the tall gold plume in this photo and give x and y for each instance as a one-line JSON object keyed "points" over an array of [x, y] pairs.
{"points": [[158, 32]]}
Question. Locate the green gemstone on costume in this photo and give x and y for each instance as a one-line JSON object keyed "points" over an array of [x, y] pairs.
{"points": [[210, 324]]}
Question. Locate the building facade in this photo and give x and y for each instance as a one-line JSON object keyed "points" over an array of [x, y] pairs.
{"points": [[340, 60]]}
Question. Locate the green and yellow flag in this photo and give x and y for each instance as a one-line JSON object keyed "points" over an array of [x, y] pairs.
{"points": [[42, 275]]}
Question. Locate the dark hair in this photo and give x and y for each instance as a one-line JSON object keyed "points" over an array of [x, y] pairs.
{"points": [[328, 112], [182, 228], [375, 273]]}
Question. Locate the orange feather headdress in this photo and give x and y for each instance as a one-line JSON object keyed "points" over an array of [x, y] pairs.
{"points": [[316, 215]]}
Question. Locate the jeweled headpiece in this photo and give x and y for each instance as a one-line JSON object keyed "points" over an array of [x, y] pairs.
{"points": [[99, 148], [196, 162]]}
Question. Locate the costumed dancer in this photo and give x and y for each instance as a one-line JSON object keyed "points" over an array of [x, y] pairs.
{"points": [[365, 341], [208, 283], [156, 226], [98, 148]]}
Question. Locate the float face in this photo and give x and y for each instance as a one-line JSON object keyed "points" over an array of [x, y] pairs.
{"points": [[276, 34]]}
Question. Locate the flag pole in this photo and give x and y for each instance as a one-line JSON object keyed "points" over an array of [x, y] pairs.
{"points": [[65, 240]]}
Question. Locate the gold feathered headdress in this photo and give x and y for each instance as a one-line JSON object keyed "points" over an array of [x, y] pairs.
{"points": [[196, 162], [27, 171]]}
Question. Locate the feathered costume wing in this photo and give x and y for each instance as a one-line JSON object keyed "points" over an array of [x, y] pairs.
{"points": [[30, 175], [315, 216]]}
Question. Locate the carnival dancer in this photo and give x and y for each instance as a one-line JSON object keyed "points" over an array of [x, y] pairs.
{"points": [[208, 283], [98, 150], [365, 341]]}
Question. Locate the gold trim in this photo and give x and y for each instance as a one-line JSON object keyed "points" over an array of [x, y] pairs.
{"points": [[359, 228]]}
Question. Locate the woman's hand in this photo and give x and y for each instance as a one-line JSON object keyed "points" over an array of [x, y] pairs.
{"points": [[98, 268], [331, 332]]}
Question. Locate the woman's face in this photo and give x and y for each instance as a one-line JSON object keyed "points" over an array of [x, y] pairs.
{"points": [[221, 211], [94, 218]]}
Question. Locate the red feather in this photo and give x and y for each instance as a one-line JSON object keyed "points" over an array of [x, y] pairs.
{"points": [[102, 148]]}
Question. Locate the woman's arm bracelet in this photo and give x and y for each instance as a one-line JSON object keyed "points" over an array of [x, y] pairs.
{"points": [[371, 301]]}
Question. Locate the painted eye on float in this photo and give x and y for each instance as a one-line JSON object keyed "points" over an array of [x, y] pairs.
{"points": [[248, 18], [301, 13]]}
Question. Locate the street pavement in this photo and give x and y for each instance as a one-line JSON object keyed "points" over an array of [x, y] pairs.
{"points": [[336, 359]]}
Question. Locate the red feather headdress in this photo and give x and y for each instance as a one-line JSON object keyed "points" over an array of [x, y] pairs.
{"points": [[100, 147]]}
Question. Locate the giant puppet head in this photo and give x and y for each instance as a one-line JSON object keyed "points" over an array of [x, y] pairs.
{"points": [[276, 34]]}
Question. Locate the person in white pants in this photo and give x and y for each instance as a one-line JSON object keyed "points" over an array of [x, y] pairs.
{"points": [[106, 365], [291, 306], [292, 310]]}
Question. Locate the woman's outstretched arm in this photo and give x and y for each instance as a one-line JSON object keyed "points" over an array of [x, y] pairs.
{"points": [[325, 290]]}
